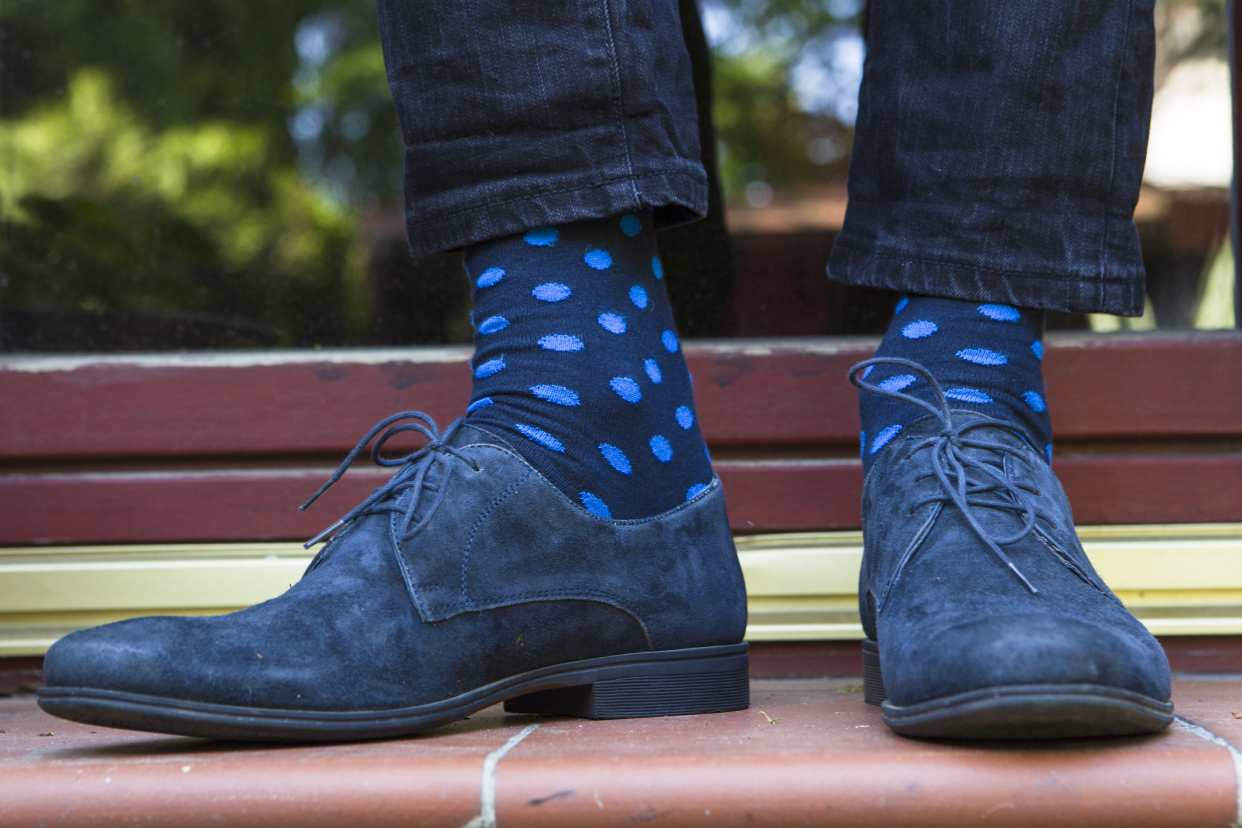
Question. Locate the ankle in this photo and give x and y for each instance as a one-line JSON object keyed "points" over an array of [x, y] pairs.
{"points": [[986, 356], [577, 364]]}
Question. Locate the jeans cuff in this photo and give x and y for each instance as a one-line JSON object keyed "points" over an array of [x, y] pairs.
{"points": [[1064, 262], [674, 197]]}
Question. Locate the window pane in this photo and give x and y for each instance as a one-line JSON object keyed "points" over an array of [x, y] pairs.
{"points": [[225, 174]]}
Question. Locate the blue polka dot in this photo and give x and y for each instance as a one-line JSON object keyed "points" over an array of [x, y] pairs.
{"points": [[862, 443], [558, 394], [901, 305], [612, 322], [970, 395], [542, 236], [897, 383], [594, 505], [685, 417], [1035, 401], [661, 448], [492, 324], [1037, 348], [541, 437], [631, 226], [694, 490], [552, 292], [490, 277], [1048, 451], [881, 439], [653, 370], [492, 366], [670, 341], [615, 457], [656, 267], [638, 296], [866, 373], [626, 389], [598, 260], [1001, 313], [919, 329], [982, 356], [481, 402], [560, 342]]}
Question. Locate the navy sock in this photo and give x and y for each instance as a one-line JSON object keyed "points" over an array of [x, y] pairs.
{"points": [[578, 366], [986, 357]]}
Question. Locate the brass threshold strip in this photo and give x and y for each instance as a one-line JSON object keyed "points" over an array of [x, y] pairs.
{"points": [[1183, 579]]}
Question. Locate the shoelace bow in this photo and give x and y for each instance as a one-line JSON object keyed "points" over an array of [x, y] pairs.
{"points": [[413, 473], [952, 464]]}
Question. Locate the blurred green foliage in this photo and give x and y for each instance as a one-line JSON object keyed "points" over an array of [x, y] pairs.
{"points": [[148, 165], [786, 75]]}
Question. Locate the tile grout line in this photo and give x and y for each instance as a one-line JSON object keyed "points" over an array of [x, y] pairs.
{"points": [[487, 796], [1234, 754]]}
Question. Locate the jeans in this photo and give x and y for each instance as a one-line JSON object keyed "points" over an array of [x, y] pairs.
{"points": [[998, 152]]}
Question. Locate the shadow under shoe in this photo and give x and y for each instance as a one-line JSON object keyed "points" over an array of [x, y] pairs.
{"points": [[984, 616], [466, 580]]}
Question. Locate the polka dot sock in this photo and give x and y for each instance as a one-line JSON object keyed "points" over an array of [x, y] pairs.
{"points": [[986, 357], [578, 366]]}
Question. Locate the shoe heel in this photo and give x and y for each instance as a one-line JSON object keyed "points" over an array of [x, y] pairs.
{"points": [[667, 691], [873, 680]]}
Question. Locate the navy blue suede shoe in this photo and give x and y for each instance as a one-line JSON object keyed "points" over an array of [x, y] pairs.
{"points": [[984, 618], [466, 580]]}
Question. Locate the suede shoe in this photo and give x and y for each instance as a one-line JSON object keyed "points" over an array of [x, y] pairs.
{"points": [[984, 618], [466, 580]]}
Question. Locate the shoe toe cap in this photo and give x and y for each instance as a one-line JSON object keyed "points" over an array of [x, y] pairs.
{"points": [[131, 656], [1023, 650]]}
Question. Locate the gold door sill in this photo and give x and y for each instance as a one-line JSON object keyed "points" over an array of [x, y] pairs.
{"points": [[1181, 579]]}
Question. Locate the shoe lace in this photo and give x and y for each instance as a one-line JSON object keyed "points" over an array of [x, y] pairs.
{"points": [[967, 482], [413, 472]]}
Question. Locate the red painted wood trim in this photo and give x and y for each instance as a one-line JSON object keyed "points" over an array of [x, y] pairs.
{"points": [[1164, 385], [189, 507], [118, 409], [790, 392], [792, 495], [768, 496]]}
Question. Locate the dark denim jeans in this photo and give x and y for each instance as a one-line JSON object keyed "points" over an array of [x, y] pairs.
{"points": [[523, 114], [998, 153]]}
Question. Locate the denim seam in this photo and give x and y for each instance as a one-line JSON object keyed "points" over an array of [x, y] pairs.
{"points": [[631, 178], [1023, 274], [465, 559], [618, 112], [1112, 172]]}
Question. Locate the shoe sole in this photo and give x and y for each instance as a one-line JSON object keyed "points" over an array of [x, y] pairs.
{"points": [[635, 685], [1020, 711]]}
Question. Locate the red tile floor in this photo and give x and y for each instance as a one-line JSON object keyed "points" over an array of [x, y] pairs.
{"points": [[807, 752]]}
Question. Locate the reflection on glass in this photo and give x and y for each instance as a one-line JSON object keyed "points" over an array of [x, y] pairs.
{"points": [[788, 74], [225, 174], [194, 175]]}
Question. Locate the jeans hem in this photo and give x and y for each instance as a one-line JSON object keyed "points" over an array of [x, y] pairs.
{"points": [[674, 197], [1045, 291], [1072, 262]]}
